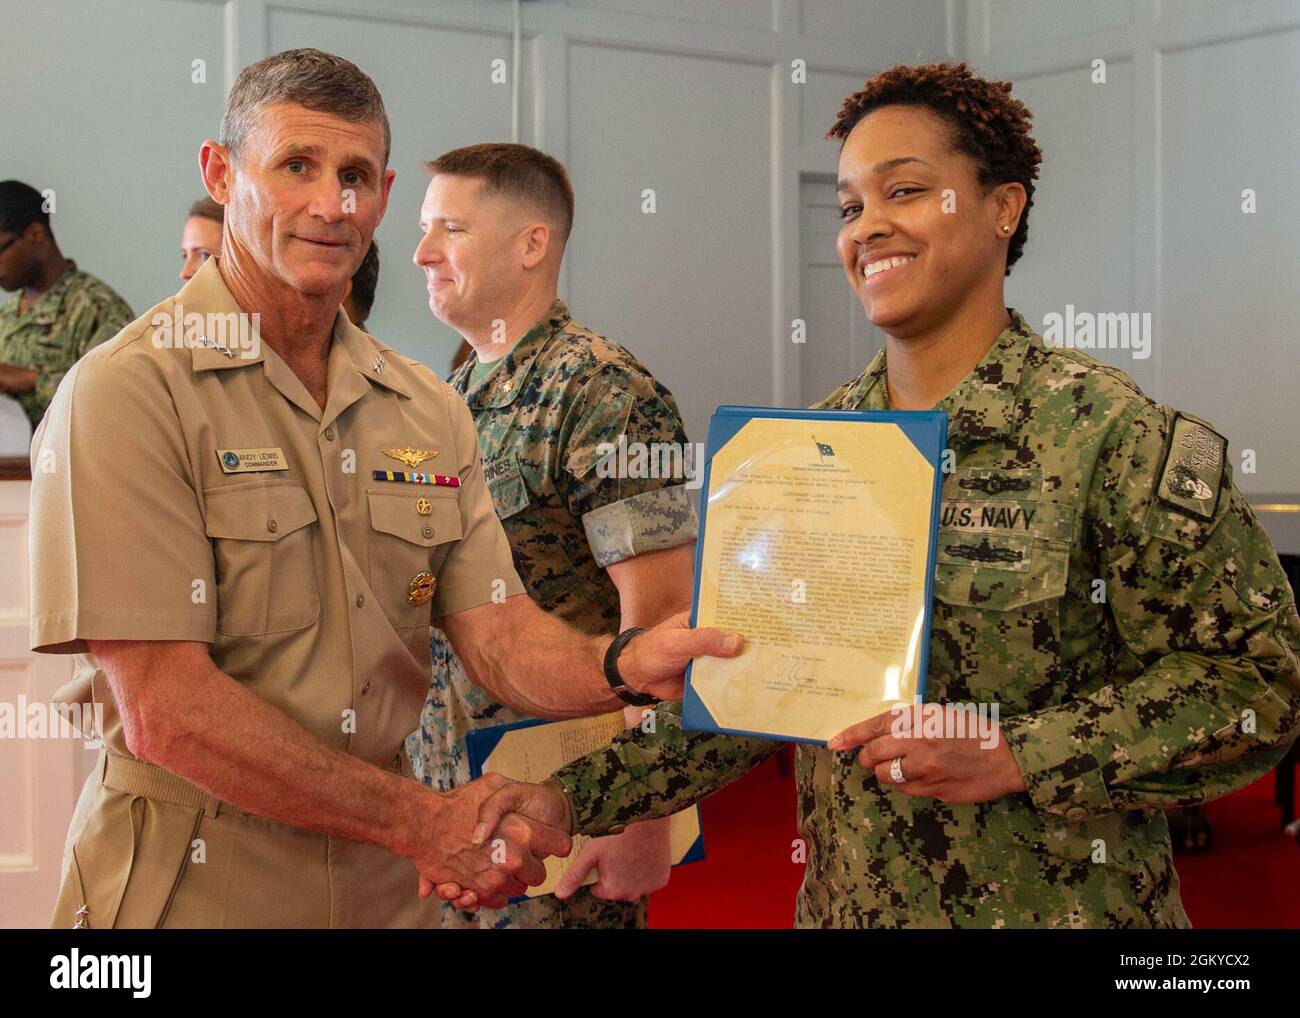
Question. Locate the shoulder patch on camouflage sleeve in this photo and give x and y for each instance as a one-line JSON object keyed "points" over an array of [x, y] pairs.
{"points": [[1191, 478], [604, 419]]}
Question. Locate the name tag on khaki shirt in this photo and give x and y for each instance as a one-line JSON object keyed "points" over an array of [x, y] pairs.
{"points": [[251, 461]]}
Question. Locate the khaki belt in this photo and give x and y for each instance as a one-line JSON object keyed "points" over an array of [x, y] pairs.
{"points": [[139, 777]]}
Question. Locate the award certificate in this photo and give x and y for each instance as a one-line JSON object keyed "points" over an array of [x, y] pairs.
{"points": [[817, 543]]}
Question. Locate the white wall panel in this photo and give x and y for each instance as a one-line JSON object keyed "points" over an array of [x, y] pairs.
{"points": [[1140, 203], [736, 13], [688, 288], [1176, 8], [840, 341], [1228, 310], [1027, 22], [820, 99], [437, 85], [38, 776], [1080, 228], [99, 105], [915, 30]]}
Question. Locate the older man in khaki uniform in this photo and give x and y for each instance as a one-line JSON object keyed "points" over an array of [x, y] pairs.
{"points": [[251, 534]]}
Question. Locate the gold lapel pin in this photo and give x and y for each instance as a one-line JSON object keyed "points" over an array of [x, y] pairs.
{"points": [[423, 506]]}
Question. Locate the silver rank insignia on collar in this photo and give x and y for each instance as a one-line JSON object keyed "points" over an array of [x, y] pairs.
{"points": [[225, 351], [378, 366]]}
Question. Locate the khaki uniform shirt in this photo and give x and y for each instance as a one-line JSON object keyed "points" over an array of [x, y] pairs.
{"points": [[1173, 681], [147, 525], [75, 314], [546, 415]]}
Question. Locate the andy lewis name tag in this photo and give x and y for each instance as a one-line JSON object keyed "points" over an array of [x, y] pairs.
{"points": [[251, 461]]}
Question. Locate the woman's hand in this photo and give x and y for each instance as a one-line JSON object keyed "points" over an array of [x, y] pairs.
{"points": [[970, 768]]}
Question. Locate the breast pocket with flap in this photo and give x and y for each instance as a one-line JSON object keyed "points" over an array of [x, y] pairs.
{"points": [[262, 535], [411, 530], [997, 618]]}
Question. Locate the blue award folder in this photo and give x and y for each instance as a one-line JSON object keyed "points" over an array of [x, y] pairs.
{"points": [[818, 534], [546, 739]]}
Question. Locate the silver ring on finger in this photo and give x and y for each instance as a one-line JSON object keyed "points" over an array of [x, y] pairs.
{"points": [[896, 771]]}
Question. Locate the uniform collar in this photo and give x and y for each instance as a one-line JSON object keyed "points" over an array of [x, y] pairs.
{"points": [[207, 293], [857, 392], [983, 405], [47, 308], [372, 360], [355, 359], [502, 386]]}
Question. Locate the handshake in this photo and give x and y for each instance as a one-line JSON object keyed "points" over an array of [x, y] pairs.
{"points": [[489, 840], [484, 842]]}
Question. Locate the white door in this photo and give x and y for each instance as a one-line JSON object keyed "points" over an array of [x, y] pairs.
{"points": [[40, 778], [840, 341]]}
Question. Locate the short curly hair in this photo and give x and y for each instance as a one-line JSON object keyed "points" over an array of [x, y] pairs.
{"points": [[986, 124]]}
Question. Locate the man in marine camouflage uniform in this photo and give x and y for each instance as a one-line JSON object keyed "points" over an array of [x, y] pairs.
{"points": [[58, 313], [1179, 686], [600, 551]]}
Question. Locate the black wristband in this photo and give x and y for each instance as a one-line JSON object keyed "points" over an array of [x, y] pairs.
{"points": [[625, 692]]}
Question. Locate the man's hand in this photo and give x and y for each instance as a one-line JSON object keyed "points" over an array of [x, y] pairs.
{"points": [[945, 768], [15, 380], [494, 868], [545, 804], [655, 661], [510, 649], [630, 865]]}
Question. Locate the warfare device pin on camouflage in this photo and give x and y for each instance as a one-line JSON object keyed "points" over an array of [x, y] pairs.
{"points": [[994, 485]]}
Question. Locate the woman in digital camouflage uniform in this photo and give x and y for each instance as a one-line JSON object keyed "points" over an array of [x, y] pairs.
{"points": [[1125, 612]]}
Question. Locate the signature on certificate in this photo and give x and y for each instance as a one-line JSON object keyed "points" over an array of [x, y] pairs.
{"points": [[793, 668]]}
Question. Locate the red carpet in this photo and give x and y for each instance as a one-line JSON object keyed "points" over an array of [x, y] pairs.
{"points": [[1251, 878]]}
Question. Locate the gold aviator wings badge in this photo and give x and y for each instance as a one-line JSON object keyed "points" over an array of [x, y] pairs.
{"points": [[411, 457]]}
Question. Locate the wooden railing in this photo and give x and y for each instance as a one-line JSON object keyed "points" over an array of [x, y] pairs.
{"points": [[15, 468]]}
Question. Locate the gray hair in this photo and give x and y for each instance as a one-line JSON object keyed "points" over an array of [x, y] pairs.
{"points": [[311, 78]]}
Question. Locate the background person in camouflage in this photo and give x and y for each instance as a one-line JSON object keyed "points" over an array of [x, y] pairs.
{"points": [[58, 311], [602, 553], [1135, 629]]}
